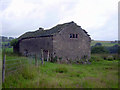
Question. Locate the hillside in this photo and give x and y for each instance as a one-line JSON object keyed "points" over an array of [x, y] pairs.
{"points": [[104, 43]]}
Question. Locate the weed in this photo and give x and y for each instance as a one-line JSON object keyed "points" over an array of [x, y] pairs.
{"points": [[29, 72], [61, 70]]}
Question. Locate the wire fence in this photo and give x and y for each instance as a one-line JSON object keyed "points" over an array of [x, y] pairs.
{"points": [[14, 64]]}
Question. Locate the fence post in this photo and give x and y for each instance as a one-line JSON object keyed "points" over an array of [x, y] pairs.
{"points": [[48, 56], [42, 56], [3, 68]]}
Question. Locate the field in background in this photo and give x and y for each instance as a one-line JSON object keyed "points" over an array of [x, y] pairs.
{"points": [[99, 74], [104, 43]]}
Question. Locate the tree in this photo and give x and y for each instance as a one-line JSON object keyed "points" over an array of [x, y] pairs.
{"points": [[119, 50], [99, 49], [13, 42], [114, 49], [98, 44]]}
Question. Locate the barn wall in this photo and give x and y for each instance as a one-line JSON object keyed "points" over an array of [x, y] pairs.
{"points": [[34, 46], [71, 48]]}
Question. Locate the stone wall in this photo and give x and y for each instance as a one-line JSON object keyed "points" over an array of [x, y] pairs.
{"points": [[34, 45], [71, 48]]}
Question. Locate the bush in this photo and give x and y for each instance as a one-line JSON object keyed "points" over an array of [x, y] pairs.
{"points": [[55, 59], [110, 58], [116, 57], [98, 50], [13, 42], [95, 58], [113, 49], [98, 44], [104, 56]]}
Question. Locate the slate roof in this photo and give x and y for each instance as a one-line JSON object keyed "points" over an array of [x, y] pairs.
{"points": [[41, 32]]}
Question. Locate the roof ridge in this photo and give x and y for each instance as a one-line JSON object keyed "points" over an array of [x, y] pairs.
{"points": [[51, 31]]}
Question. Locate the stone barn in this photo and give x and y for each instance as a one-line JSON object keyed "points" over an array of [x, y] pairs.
{"points": [[64, 42]]}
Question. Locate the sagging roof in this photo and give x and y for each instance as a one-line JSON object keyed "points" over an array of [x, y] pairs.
{"points": [[41, 32]]}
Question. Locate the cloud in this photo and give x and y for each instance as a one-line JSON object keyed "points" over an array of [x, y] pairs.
{"points": [[20, 16], [91, 14], [4, 4], [107, 32]]}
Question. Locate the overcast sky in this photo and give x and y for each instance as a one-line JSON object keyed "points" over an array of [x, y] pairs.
{"points": [[98, 17]]}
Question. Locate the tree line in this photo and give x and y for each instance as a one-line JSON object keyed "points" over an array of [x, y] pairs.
{"points": [[98, 48]]}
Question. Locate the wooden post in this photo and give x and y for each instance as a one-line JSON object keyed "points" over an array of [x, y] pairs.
{"points": [[42, 56], [48, 56], [3, 68]]}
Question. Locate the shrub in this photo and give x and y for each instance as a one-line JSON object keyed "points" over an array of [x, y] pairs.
{"points": [[99, 49], [98, 44], [110, 58], [116, 57], [71, 61], [55, 59], [92, 59], [84, 58], [13, 42], [104, 56], [95, 58]]}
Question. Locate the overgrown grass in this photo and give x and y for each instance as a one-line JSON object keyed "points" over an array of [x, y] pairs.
{"points": [[102, 74], [99, 74]]}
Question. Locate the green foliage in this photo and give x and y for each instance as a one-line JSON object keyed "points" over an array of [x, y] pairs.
{"points": [[116, 56], [99, 49], [95, 58], [13, 42], [119, 49], [9, 52], [55, 59], [110, 58], [98, 44], [61, 69]]}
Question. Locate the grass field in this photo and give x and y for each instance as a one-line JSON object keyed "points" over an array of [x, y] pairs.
{"points": [[98, 74], [104, 43], [102, 74]]}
